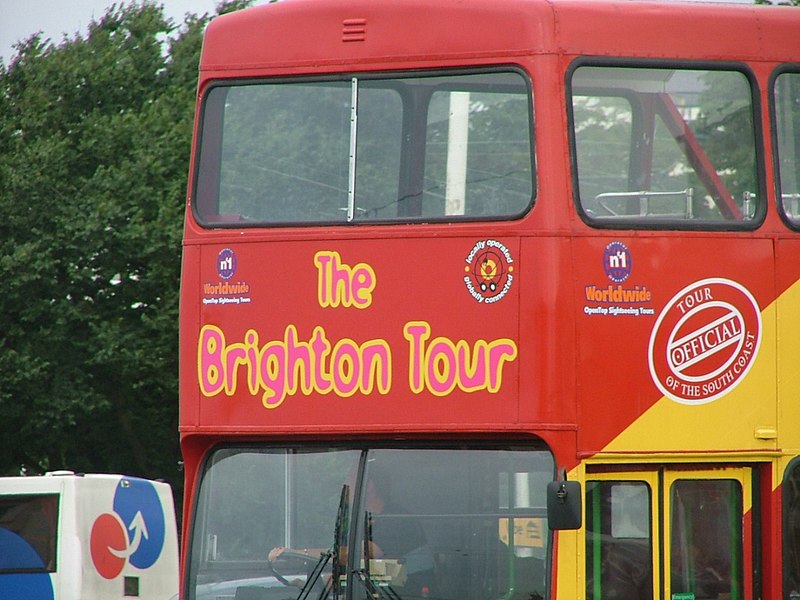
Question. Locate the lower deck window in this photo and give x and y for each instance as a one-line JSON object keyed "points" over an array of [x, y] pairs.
{"points": [[455, 524]]}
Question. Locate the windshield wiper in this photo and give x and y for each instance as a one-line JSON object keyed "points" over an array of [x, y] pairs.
{"points": [[313, 576], [339, 541], [374, 590]]}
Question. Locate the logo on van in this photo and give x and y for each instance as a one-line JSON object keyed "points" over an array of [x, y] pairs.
{"points": [[705, 341], [133, 533]]}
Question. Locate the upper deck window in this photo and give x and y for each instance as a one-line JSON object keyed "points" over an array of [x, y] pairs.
{"points": [[367, 149], [670, 148], [787, 118]]}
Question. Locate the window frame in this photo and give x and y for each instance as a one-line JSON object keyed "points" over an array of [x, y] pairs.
{"points": [[660, 223], [196, 549], [787, 68], [742, 476], [651, 480], [205, 167], [50, 560], [661, 477]]}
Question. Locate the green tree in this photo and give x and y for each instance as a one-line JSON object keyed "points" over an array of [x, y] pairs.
{"points": [[95, 137]]}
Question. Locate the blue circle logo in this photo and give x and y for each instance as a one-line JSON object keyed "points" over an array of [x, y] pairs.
{"points": [[136, 502], [226, 263], [617, 262]]}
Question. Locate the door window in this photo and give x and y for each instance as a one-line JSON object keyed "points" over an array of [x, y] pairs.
{"points": [[706, 538], [679, 534], [791, 529], [619, 540]]}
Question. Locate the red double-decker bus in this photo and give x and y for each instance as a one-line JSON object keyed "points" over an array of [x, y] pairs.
{"points": [[493, 301]]}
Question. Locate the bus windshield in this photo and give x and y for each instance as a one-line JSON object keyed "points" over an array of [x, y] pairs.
{"points": [[448, 523], [299, 151]]}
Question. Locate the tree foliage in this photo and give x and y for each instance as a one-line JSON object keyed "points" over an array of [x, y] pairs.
{"points": [[95, 136]]}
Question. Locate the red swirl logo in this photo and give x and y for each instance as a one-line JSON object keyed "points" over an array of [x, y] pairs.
{"points": [[705, 341]]}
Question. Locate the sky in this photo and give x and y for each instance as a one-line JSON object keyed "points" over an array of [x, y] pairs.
{"points": [[21, 18]]}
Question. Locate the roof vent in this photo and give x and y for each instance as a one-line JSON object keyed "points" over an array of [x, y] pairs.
{"points": [[354, 30]]}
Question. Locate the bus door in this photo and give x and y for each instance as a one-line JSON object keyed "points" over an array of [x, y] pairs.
{"points": [[672, 533]]}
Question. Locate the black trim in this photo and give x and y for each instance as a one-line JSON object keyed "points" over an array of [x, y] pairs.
{"points": [[756, 531]]}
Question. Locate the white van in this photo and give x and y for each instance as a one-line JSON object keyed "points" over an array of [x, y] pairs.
{"points": [[87, 537]]}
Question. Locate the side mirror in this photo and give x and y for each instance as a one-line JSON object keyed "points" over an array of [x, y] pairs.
{"points": [[564, 505]]}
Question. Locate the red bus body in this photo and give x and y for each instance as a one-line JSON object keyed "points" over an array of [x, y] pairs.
{"points": [[632, 353]]}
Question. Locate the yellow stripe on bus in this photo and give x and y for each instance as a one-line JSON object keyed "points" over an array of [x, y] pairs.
{"points": [[727, 422]]}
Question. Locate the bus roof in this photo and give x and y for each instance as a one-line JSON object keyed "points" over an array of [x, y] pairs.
{"points": [[331, 34]]}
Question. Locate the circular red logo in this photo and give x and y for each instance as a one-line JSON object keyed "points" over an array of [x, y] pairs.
{"points": [[108, 543], [705, 341]]}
